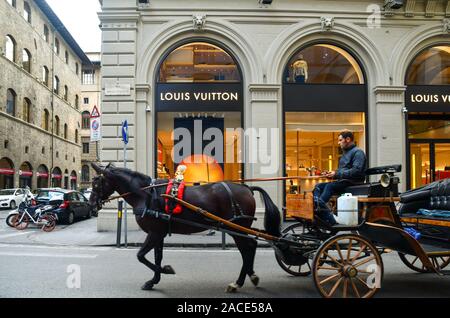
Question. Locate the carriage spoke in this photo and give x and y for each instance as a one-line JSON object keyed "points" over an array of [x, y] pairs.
{"points": [[349, 250], [354, 288], [365, 261], [330, 268], [329, 278], [415, 260], [339, 252], [363, 282], [363, 248], [333, 259], [335, 287], [345, 287]]}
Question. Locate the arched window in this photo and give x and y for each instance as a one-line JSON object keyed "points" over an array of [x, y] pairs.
{"points": [[26, 112], [46, 120], [56, 46], [85, 173], [66, 57], [85, 120], [12, 3], [11, 102], [10, 51], [27, 12], [65, 131], [199, 62], [430, 67], [66, 93], [76, 136], [56, 84], [57, 124], [46, 33], [26, 60], [77, 101], [323, 64], [45, 75]]}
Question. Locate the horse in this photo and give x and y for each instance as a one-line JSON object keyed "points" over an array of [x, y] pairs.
{"points": [[212, 197]]}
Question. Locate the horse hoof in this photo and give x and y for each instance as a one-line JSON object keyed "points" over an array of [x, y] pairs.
{"points": [[254, 279], [232, 288], [168, 270], [147, 286]]}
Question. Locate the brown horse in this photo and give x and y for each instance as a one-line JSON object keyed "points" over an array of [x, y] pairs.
{"points": [[212, 197]]}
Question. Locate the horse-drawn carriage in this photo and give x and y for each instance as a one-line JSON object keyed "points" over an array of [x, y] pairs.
{"points": [[345, 261]]}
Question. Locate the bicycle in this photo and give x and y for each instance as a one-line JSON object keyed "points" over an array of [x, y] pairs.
{"points": [[42, 216]]}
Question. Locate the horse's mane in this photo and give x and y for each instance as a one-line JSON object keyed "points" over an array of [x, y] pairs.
{"points": [[136, 179]]}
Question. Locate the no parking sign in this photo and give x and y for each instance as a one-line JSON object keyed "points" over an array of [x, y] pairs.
{"points": [[95, 125]]}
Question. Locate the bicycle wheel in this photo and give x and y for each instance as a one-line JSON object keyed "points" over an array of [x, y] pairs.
{"points": [[20, 221], [50, 223]]}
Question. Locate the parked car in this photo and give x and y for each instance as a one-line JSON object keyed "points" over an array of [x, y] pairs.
{"points": [[72, 204], [11, 198]]}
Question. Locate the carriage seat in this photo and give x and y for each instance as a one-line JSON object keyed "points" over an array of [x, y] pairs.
{"points": [[374, 189], [433, 196]]}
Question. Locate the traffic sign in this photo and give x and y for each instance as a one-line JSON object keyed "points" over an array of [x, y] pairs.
{"points": [[125, 132], [95, 113], [96, 129]]}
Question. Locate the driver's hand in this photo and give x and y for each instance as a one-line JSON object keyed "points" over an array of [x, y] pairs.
{"points": [[330, 174]]}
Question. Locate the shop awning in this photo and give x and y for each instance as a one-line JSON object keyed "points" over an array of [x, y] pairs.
{"points": [[56, 176], [4, 171], [26, 174], [42, 175]]}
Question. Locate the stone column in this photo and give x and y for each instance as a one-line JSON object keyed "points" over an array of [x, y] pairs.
{"points": [[119, 34], [389, 128], [264, 150]]}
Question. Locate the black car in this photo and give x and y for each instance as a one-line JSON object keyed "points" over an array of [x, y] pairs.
{"points": [[71, 204]]}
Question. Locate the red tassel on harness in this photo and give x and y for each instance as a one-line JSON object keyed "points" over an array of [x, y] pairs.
{"points": [[178, 208]]}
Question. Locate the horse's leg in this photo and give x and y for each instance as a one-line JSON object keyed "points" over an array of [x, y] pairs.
{"points": [[247, 248], [153, 240]]}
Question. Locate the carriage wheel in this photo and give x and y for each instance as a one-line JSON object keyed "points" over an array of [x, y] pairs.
{"points": [[294, 270], [347, 265], [414, 263]]}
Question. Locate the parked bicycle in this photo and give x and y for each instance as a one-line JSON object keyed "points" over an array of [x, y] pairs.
{"points": [[39, 215]]}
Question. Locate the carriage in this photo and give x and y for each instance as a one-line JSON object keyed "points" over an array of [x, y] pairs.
{"points": [[345, 261]]}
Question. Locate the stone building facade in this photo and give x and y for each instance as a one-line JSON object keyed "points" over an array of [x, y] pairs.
{"points": [[149, 49], [90, 98], [40, 90]]}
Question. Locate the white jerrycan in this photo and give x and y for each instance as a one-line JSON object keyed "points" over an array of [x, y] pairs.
{"points": [[347, 206]]}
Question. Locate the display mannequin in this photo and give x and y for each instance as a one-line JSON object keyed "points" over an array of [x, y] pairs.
{"points": [[300, 70]]}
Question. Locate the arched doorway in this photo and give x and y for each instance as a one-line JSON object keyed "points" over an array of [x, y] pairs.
{"points": [[428, 119], [324, 93], [6, 173], [42, 177], [56, 178], [66, 179], [73, 180], [199, 104], [25, 175]]}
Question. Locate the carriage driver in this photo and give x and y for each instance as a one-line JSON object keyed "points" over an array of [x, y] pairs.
{"points": [[351, 171]]}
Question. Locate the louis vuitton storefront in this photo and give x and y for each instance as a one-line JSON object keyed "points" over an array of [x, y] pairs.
{"points": [[263, 91]]}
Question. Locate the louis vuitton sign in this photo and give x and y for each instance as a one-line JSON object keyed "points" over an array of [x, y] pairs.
{"points": [[199, 97], [430, 98]]}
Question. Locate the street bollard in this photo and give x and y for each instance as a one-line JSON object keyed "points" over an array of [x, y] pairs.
{"points": [[119, 222], [223, 241]]}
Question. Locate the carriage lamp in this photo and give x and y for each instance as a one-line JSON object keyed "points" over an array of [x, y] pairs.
{"points": [[388, 179]]}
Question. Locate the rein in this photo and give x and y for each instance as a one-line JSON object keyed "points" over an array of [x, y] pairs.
{"points": [[203, 182]]}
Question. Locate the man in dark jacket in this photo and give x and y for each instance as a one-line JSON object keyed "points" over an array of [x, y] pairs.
{"points": [[351, 170]]}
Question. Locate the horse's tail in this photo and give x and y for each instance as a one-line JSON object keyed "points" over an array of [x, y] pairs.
{"points": [[272, 217]]}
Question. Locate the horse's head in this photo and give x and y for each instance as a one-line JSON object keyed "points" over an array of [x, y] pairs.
{"points": [[102, 187]]}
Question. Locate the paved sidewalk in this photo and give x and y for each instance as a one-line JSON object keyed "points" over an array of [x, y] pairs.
{"points": [[84, 233]]}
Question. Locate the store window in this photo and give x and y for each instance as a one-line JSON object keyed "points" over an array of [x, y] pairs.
{"points": [[323, 94], [199, 97], [428, 129]]}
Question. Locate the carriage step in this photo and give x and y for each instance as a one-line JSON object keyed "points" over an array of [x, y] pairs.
{"points": [[445, 273]]}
